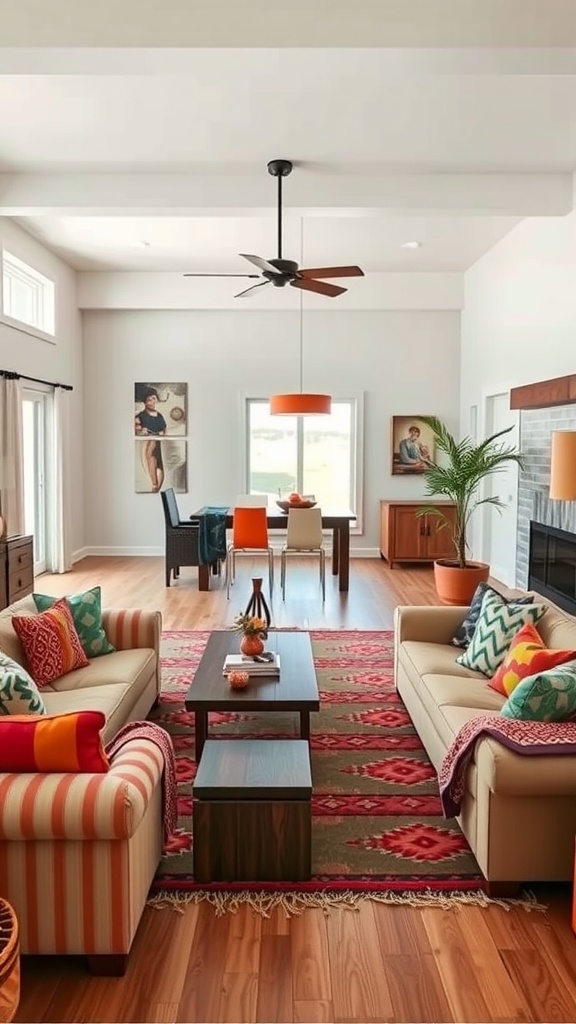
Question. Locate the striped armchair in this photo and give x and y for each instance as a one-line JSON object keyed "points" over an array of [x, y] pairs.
{"points": [[78, 852]]}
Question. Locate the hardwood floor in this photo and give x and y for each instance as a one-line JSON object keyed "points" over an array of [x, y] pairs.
{"points": [[376, 964]]}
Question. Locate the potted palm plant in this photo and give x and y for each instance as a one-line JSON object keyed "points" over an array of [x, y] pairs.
{"points": [[457, 477]]}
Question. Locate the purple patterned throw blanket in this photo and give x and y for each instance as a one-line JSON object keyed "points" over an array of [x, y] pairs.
{"points": [[519, 736], [159, 736]]}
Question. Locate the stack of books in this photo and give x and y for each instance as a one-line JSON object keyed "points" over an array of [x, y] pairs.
{"points": [[242, 663]]}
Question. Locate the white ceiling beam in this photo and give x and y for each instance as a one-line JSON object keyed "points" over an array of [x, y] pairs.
{"points": [[387, 23], [520, 195]]}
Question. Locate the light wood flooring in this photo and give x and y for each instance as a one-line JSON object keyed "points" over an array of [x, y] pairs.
{"points": [[376, 964]]}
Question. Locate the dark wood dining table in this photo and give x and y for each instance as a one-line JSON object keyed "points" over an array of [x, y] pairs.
{"points": [[338, 522]]}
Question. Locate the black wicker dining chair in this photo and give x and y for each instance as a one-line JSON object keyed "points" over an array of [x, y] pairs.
{"points": [[181, 536]]}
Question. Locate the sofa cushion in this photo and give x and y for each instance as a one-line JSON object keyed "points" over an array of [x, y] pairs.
{"points": [[19, 694], [420, 657], [546, 696], [131, 667], [86, 611], [465, 631], [526, 656], [438, 692], [50, 642], [62, 743], [497, 625], [557, 628]]}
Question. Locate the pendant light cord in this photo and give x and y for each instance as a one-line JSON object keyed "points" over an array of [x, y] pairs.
{"points": [[301, 303]]}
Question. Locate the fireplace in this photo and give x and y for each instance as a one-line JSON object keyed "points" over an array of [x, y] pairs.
{"points": [[552, 565]]}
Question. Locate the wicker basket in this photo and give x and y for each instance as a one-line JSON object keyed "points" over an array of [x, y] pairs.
{"points": [[9, 963]]}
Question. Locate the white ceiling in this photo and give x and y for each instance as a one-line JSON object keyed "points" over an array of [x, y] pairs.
{"points": [[102, 150]]}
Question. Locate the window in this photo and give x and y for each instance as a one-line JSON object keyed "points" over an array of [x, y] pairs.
{"points": [[34, 424], [310, 454], [27, 296]]}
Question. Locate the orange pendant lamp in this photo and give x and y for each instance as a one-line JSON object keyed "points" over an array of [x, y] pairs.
{"points": [[299, 403]]}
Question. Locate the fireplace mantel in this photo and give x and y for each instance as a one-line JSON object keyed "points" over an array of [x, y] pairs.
{"points": [[546, 393]]}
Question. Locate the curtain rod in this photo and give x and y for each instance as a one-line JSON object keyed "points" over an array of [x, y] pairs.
{"points": [[11, 375]]}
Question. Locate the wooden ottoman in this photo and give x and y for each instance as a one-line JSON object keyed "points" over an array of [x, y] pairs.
{"points": [[252, 814]]}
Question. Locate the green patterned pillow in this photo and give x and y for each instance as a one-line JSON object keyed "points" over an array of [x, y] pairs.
{"points": [[548, 696], [19, 694], [87, 614], [497, 625]]}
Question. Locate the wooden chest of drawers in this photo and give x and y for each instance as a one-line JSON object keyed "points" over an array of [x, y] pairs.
{"points": [[16, 569]]}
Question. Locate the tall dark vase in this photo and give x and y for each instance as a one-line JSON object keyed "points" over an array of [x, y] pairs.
{"points": [[257, 603]]}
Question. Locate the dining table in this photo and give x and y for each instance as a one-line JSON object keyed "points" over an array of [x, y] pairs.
{"points": [[337, 521]]}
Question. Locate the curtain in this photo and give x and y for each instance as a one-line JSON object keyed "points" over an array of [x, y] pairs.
{"points": [[11, 456], [60, 514]]}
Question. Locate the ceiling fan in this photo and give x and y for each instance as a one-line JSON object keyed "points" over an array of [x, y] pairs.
{"points": [[279, 271]]}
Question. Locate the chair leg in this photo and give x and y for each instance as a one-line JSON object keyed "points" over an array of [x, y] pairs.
{"points": [[323, 573], [168, 574], [283, 574], [271, 570]]}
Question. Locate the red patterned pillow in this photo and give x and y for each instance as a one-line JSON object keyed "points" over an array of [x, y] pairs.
{"points": [[53, 743], [51, 643], [526, 656]]}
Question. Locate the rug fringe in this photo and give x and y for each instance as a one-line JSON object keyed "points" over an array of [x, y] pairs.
{"points": [[295, 903]]}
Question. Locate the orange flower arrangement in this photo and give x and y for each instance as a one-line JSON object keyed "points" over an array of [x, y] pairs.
{"points": [[250, 625]]}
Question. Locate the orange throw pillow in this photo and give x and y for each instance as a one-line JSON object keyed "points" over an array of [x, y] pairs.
{"points": [[53, 743], [50, 641], [526, 656]]}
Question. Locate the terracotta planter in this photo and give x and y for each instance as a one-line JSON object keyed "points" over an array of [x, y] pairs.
{"points": [[251, 645], [455, 585]]}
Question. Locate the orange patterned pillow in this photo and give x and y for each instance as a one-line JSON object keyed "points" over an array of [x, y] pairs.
{"points": [[526, 656], [53, 743], [50, 641]]}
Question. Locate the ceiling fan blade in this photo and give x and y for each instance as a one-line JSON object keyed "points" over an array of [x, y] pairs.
{"points": [[332, 272], [317, 286], [220, 275], [252, 288], [259, 262]]}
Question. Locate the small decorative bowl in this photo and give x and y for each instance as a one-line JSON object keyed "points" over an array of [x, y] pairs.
{"points": [[238, 680], [285, 505]]}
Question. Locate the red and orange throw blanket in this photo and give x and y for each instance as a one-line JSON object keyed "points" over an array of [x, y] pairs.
{"points": [[522, 737], [159, 736]]}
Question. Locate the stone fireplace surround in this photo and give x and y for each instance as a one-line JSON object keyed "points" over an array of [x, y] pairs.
{"points": [[536, 426]]}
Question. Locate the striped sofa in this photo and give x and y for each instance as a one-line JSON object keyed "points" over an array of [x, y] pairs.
{"points": [[78, 852]]}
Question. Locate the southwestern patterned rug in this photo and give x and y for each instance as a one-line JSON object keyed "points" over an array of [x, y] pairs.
{"points": [[377, 829]]}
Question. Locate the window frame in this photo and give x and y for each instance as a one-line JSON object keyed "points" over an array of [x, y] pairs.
{"points": [[44, 289], [356, 449]]}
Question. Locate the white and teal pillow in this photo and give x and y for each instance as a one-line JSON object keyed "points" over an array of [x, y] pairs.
{"points": [[497, 625], [547, 696], [87, 615], [465, 631], [19, 694]]}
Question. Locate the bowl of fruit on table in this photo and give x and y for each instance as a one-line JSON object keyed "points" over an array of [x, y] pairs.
{"points": [[296, 500]]}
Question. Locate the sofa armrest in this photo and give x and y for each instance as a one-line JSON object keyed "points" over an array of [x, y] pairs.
{"points": [[83, 806], [129, 629], [433, 624]]}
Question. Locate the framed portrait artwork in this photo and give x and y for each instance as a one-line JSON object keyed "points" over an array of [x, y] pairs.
{"points": [[160, 462], [413, 447], [160, 409]]}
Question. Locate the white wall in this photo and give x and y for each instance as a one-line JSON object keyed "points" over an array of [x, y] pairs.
{"points": [[519, 318], [60, 362], [402, 362]]}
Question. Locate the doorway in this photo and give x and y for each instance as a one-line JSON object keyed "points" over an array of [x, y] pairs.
{"points": [[34, 435], [499, 526]]}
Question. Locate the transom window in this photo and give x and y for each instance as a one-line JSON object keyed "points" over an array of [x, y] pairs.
{"points": [[27, 296], [316, 455]]}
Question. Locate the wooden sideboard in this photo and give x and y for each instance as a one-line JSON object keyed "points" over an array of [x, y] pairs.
{"points": [[16, 569], [406, 537]]}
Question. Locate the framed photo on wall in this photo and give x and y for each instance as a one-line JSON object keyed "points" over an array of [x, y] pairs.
{"points": [[159, 463], [160, 409], [413, 447]]}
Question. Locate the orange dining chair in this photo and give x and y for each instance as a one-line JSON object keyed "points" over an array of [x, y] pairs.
{"points": [[249, 536], [304, 537]]}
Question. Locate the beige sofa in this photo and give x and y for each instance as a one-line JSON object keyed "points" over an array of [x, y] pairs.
{"points": [[518, 813], [78, 853]]}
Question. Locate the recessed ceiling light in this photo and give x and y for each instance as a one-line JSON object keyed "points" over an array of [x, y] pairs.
{"points": [[411, 245]]}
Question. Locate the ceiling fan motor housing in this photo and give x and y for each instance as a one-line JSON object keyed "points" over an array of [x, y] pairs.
{"points": [[288, 269]]}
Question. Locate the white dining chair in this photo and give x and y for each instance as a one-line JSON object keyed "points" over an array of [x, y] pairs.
{"points": [[304, 537], [251, 501]]}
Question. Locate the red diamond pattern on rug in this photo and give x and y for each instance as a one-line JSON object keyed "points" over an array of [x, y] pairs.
{"points": [[403, 770], [419, 841]]}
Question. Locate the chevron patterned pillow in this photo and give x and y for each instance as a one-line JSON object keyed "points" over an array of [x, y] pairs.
{"points": [[496, 627]]}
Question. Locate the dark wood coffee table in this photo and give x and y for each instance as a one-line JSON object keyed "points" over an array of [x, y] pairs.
{"points": [[295, 689]]}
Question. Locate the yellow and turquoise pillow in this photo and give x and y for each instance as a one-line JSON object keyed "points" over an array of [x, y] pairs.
{"points": [[87, 615], [548, 696]]}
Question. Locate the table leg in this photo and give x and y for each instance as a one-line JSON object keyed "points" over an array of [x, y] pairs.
{"points": [[305, 725], [344, 556], [203, 577], [335, 550], [200, 732]]}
